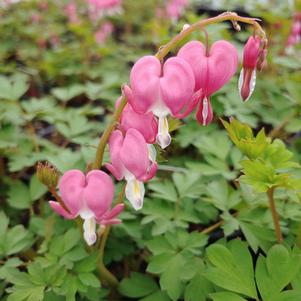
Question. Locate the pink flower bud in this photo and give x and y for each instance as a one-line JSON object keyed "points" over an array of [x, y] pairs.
{"points": [[89, 196], [132, 160], [247, 79]]}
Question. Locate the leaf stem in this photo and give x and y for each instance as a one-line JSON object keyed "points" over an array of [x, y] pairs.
{"points": [[275, 216]]}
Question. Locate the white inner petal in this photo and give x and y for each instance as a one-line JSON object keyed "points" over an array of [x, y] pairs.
{"points": [[251, 84], [89, 228], [152, 153], [163, 138], [205, 110], [134, 192]]}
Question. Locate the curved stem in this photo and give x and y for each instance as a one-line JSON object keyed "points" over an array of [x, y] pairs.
{"points": [[227, 16], [275, 216], [106, 134]]}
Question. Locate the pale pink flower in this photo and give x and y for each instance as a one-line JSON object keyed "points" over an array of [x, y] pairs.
{"points": [[90, 197], [131, 160], [212, 69], [103, 32], [71, 12], [175, 8], [162, 90], [100, 8]]}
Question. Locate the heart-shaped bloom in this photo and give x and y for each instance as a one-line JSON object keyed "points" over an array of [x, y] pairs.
{"points": [[163, 90], [146, 124], [131, 160], [247, 78], [90, 197], [212, 69]]}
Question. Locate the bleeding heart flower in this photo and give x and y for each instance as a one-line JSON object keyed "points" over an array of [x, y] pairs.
{"points": [[146, 124], [247, 78], [133, 161], [212, 69], [161, 90], [89, 196]]}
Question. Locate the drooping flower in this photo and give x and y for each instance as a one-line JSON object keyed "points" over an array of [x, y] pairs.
{"points": [[103, 32], [175, 8], [163, 90], [131, 160], [100, 8], [295, 34], [90, 197], [71, 12], [212, 69], [146, 124], [247, 78]]}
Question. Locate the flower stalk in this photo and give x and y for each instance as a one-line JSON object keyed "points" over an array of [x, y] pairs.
{"points": [[275, 215]]}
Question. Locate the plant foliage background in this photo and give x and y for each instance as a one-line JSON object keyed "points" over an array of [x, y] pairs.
{"points": [[206, 231]]}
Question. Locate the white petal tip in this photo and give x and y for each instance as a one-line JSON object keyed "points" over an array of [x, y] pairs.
{"points": [[163, 140]]}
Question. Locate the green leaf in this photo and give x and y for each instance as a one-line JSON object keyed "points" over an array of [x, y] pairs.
{"points": [[19, 195], [226, 296], [137, 286], [276, 271], [89, 279], [232, 268], [198, 288], [157, 296], [14, 87], [170, 280]]}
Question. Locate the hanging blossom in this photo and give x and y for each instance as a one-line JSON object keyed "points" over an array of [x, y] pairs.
{"points": [[254, 56], [100, 8], [162, 90], [295, 34], [71, 12], [175, 8], [90, 197], [131, 160], [146, 124], [103, 32], [212, 69]]}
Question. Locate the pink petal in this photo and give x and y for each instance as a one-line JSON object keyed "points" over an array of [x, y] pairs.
{"points": [[115, 143], [151, 173], [71, 187], [110, 216], [177, 84], [146, 124], [251, 52], [145, 87], [99, 192], [213, 71], [134, 153], [55, 206]]}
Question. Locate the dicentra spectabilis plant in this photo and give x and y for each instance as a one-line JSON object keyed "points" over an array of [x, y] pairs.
{"points": [[157, 89]]}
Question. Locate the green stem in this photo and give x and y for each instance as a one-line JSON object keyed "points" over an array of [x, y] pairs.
{"points": [[275, 216], [106, 134]]}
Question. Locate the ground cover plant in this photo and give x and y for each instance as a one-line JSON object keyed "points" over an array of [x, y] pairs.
{"points": [[150, 151]]}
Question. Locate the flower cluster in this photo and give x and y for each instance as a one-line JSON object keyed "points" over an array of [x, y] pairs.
{"points": [[157, 89]]}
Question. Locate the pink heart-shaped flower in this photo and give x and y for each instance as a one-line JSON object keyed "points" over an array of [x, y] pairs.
{"points": [[212, 71], [161, 90]]}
